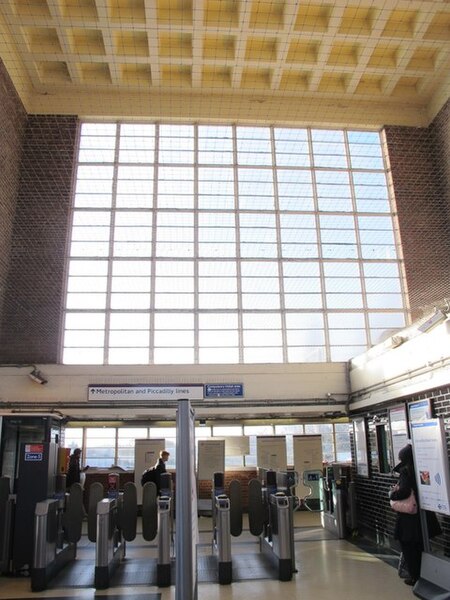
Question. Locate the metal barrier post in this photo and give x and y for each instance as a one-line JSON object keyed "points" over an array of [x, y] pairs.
{"points": [[222, 509], [109, 548], [340, 512], [163, 568], [281, 535], [47, 561]]}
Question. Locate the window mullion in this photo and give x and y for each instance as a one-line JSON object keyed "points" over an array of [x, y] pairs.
{"points": [[196, 253], [238, 249], [319, 249], [279, 249], [153, 257], [111, 248]]}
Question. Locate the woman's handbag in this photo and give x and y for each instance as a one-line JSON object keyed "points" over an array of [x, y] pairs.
{"points": [[408, 505]]}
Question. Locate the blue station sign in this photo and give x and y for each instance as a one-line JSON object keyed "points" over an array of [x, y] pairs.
{"points": [[224, 390]]}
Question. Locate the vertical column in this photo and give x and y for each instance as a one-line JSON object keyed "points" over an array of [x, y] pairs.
{"points": [[186, 506]]}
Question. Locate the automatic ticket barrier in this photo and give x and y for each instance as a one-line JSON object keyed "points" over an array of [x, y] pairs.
{"points": [[338, 497], [271, 518], [57, 530], [110, 546], [227, 522], [312, 481], [50, 553]]}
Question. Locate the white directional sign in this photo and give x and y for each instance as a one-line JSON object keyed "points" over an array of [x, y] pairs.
{"points": [[142, 392]]}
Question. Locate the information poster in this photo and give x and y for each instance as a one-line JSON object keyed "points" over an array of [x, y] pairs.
{"points": [[362, 459], [271, 452], [211, 458], [237, 445], [146, 453], [399, 430], [419, 410], [431, 464]]}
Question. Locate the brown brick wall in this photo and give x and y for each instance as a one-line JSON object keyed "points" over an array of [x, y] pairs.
{"points": [[12, 126], [30, 328], [32, 309], [205, 487], [420, 167]]}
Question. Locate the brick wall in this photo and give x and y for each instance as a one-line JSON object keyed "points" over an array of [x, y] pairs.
{"points": [[441, 128], [32, 309], [12, 126], [420, 168], [205, 487], [376, 519], [30, 327]]}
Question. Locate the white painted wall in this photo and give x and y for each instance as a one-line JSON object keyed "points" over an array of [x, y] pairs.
{"points": [[295, 385], [420, 363]]}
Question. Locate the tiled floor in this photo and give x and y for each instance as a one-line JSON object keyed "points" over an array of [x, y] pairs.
{"points": [[327, 569]]}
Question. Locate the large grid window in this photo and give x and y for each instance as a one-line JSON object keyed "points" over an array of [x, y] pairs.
{"points": [[108, 446], [219, 244]]}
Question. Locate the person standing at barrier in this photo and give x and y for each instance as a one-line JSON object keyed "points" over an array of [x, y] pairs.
{"points": [[160, 468], [154, 474], [74, 471], [408, 530]]}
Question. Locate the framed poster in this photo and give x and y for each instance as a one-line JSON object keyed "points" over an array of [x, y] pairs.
{"points": [[399, 430], [431, 465], [360, 437], [211, 458], [271, 452], [420, 410]]}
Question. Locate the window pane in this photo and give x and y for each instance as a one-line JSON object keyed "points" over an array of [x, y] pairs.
{"points": [[174, 246]]}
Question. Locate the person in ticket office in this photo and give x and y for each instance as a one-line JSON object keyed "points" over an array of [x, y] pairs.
{"points": [[408, 530], [74, 472]]}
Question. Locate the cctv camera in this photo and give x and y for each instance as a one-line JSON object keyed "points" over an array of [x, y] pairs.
{"points": [[37, 377]]}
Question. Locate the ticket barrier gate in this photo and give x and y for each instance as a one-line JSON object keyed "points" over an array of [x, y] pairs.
{"points": [[338, 496], [227, 522], [313, 500], [57, 530], [50, 554], [116, 525], [110, 546], [271, 518]]}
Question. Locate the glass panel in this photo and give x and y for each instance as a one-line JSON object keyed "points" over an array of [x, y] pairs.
{"points": [[226, 256]]}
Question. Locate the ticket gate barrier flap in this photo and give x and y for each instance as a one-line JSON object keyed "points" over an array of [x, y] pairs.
{"points": [[149, 511], [235, 496], [48, 558], [110, 547], [127, 511]]}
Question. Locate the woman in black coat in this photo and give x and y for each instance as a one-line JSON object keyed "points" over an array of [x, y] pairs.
{"points": [[408, 530]]}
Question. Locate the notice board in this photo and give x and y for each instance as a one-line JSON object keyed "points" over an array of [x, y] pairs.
{"points": [[431, 465], [211, 458], [271, 452]]}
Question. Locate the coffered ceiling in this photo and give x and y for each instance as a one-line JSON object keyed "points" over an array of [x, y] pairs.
{"points": [[366, 62]]}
